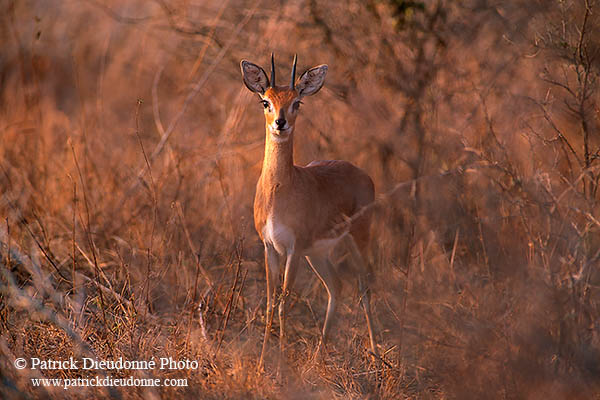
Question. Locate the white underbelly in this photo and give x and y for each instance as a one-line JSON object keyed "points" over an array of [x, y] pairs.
{"points": [[279, 235], [282, 238]]}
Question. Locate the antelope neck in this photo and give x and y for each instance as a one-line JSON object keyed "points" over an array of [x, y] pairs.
{"points": [[278, 164]]}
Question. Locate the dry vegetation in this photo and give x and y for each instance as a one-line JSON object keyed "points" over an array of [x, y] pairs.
{"points": [[130, 151]]}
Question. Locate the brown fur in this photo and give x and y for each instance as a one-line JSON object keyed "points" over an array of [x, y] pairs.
{"points": [[281, 97], [296, 209], [320, 194]]}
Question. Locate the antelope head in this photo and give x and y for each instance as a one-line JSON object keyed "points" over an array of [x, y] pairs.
{"points": [[281, 103]]}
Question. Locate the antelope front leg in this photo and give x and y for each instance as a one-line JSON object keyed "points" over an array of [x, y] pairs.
{"points": [[272, 272], [291, 267]]}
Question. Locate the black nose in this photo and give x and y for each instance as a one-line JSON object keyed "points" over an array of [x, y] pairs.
{"points": [[280, 123]]}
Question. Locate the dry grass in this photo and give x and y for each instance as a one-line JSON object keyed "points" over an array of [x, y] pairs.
{"points": [[129, 156]]}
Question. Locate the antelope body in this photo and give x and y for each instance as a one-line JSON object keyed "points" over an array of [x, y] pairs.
{"points": [[296, 209]]}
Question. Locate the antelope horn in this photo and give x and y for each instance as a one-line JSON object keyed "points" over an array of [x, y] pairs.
{"points": [[294, 72], [272, 71]]}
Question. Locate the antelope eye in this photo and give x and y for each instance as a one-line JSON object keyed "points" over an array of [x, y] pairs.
{"points": [[296, 105], [265, 103]]}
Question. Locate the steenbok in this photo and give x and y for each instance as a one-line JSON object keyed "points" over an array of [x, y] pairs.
{"points": [[297, 209]]}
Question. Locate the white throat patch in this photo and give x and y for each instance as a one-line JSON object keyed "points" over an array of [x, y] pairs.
{"points": [[277, 138]]}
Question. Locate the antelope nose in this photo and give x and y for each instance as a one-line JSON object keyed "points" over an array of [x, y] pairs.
{"points": [[280, 122]]}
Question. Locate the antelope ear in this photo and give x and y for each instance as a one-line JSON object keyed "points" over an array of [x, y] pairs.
{"points": [[311, 81], [254, 77]]}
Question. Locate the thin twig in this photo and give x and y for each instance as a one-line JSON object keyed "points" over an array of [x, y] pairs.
{"points": [[193, 250], [229, 306], [91, 244], [191, 95]]}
